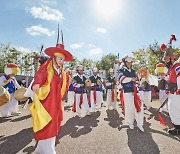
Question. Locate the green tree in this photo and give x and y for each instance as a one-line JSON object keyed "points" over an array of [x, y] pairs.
{"points": [[10, 54], [140, 57], [106, 62], [72, 64], [87, 63], [150, 57]]}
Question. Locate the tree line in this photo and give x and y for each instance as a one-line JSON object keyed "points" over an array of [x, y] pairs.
{"points": [[27, 62]]}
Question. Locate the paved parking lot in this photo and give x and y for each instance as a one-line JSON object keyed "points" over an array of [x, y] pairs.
{"points": [[103, 132]]}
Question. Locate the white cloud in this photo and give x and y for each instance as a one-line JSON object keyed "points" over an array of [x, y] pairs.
{"points": [[24, 50], [96, 51], [75, 46], [101, 30], [91, 45], [48, 2], [38, 30], [46, 13]]}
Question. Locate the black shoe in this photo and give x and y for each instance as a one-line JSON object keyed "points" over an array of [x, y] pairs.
{"points": [[174, 132]]}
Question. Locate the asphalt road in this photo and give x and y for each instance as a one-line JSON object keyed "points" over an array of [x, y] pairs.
{"points": [[103, 132]]}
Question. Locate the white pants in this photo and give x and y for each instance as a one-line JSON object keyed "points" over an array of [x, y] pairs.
{"points": [[130, 111], [46, 146], [99, 100], [162, 98], [174, 108], [145, 98], [84, 102], [109, 99], [10, 107], [71, 95]]}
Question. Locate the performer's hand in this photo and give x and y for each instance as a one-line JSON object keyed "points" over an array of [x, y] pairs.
{"points": [[178, 92], [35, 88], [134, 79], [82, 85]]}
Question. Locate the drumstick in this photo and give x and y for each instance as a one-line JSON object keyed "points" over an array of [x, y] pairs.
{"points": [[25, 105]]}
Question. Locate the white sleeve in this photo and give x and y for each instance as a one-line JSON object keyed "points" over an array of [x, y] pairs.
{"points": [[76, 85], [29, 92], [2, 79], [178, 82], [16, 84], [126, 80], [92, 84], [108, 84]]}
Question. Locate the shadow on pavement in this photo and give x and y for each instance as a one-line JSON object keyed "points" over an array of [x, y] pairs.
{"points": [[1, 136], [154, 114], [114, 120], [29, 149], [67, 108], [5, 119], [21, 118], [76, 126], [14, 143], [140, 143]]}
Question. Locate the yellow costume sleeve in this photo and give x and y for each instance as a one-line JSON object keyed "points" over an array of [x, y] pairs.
{"points": [[39, 114]]}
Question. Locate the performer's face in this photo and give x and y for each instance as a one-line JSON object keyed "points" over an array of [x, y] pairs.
{"points": [[95, 73], [173, 60], [128, 64], [59, 61], [80, 72], [111, 73]]}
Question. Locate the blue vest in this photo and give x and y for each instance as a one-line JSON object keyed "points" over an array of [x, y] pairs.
{"points": [[111, 80], [78, 80], [128, 87], [94, 80], [10, 85], [147, 90], [71, 88]]}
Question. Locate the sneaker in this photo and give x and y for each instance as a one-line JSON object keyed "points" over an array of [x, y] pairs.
{"points": [[141, 128], [131, 126], [5, 116], [174, 131], [88, 113], [93, 110], [160, 110], [107, 108], [79, 115], [99, 110], [15, 113], [148, 108]]}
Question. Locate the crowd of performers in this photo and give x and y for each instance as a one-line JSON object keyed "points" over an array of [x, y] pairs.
{"points": [[51, 82]]}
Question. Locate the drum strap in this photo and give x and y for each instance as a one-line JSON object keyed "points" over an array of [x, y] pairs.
{"points": [[6, 82]]}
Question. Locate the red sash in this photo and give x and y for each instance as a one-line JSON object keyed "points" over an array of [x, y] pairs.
{"points": [[137, 101], [94, 94], [74, 105], [162, 122], [121, 99], [112, 94]]}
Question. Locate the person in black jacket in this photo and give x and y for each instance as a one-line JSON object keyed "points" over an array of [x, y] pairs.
{"points": [[133, 108], [96, 91], [110, 86], [80, 92]]}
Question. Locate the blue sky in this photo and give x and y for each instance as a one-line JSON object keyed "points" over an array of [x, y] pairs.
{"points": [[92, 28]]}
